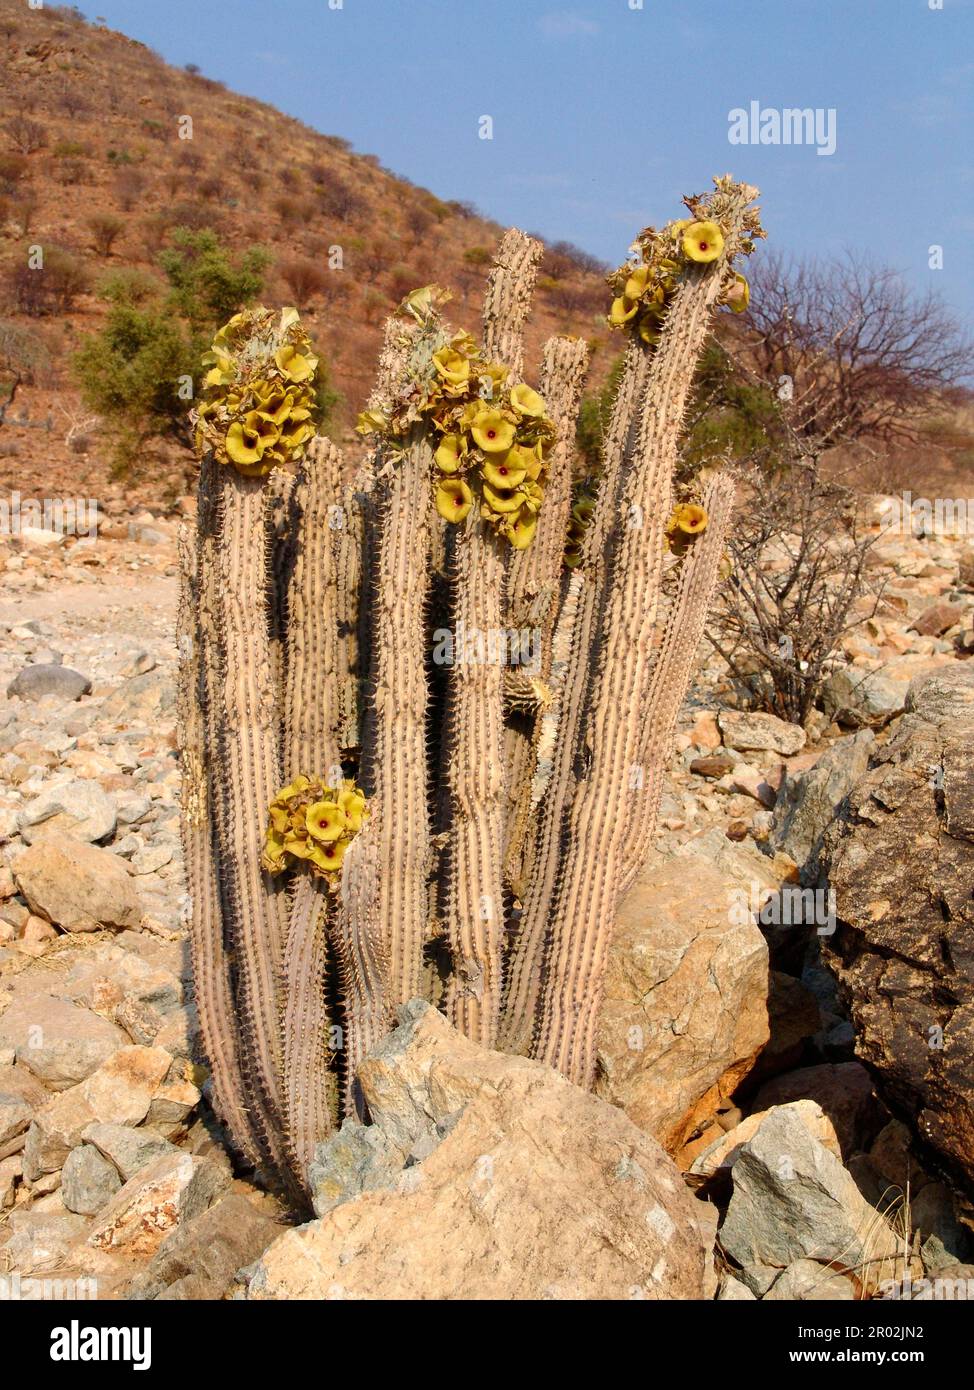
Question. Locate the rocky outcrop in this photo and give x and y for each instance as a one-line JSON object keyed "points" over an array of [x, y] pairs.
{"points": [[809, 799], [902, 867], [510, 1184], [685, 1009]]}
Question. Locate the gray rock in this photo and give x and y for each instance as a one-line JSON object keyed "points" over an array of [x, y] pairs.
{"points": [[37, 682], [808, 801], [793, 1200], [127, 1149], [88, 1181], [856, 698], [359, 1158], [733, 1291], [170, 1190], [200, 1258], [56, 1040], [751, 729], [808, 1281], [81, 808], [41, 1241]]}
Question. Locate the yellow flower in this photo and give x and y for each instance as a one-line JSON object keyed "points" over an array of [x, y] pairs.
{"points": [[247, 439], [505, 470], [222, 373], [326, 821], [329, 857], [524, 401], [450, 453], [520, 529], [622, 311], [352, 802], [532, 495], [502, 499], [453, 499], [295, 365], [493, 432], [687, 521], [492, 376], [649, 332], [451, 366], [371, 422], [703, 241], [637, 282], [738, 296]]}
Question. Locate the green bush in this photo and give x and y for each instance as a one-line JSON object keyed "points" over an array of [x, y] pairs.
{"points": [[207, 287]]}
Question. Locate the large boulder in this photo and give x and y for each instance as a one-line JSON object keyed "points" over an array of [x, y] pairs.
{"points": [[902, 865], [684, 1015], [858, 699], [510, 1184]]}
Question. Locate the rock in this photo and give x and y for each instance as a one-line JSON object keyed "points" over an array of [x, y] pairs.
{"points": [[938, 618], [88, 1181], [807, 1280], [750, 729], [119, 1092], [11, 1170], [357, 1159], [855, 698], [733, 1291], [41, 1242], [141, 699], [37, 682], [170, 1190], [57, 1041], [793, 1200], [794, 1017], [684, 1013], [127, 1149], [151, 859], [199, 1259], [808, 801], [721, 1155], [901, 866], [79, 809], [523, 1187], [845, 1092], [946, 1240], [77, 886], [15, 1116], [715, 766]]}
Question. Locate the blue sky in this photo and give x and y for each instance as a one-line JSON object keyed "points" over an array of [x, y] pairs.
{"points": [[604, 115]]}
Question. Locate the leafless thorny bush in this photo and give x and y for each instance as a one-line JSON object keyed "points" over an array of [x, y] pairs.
{"points": [[800, 557]]}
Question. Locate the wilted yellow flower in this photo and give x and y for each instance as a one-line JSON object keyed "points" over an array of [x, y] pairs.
{"points": [[622, 311], [453, 499], [451, 366], [702, 241], [520, 529], [295, 365], [352, 803], [247, 439], [371, 422], [525, 401], [637, 282], [493, 432], [738, 296]]}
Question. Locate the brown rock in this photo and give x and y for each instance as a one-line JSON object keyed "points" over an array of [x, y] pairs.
{"points": [[78, 886], [712, 767], [936, 619], [170, 1190], [526, 1188], [684, 1013]]}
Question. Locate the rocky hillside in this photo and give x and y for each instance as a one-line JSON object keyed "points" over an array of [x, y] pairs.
{"points": [[94, 169]]}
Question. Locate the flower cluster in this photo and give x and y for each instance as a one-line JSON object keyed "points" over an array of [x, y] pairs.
{"points": [[309, 823], [491, 438], [258, 405], [642, 289]]}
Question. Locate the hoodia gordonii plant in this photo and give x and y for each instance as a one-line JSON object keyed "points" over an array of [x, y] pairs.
{"points": [[423, 745]]}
